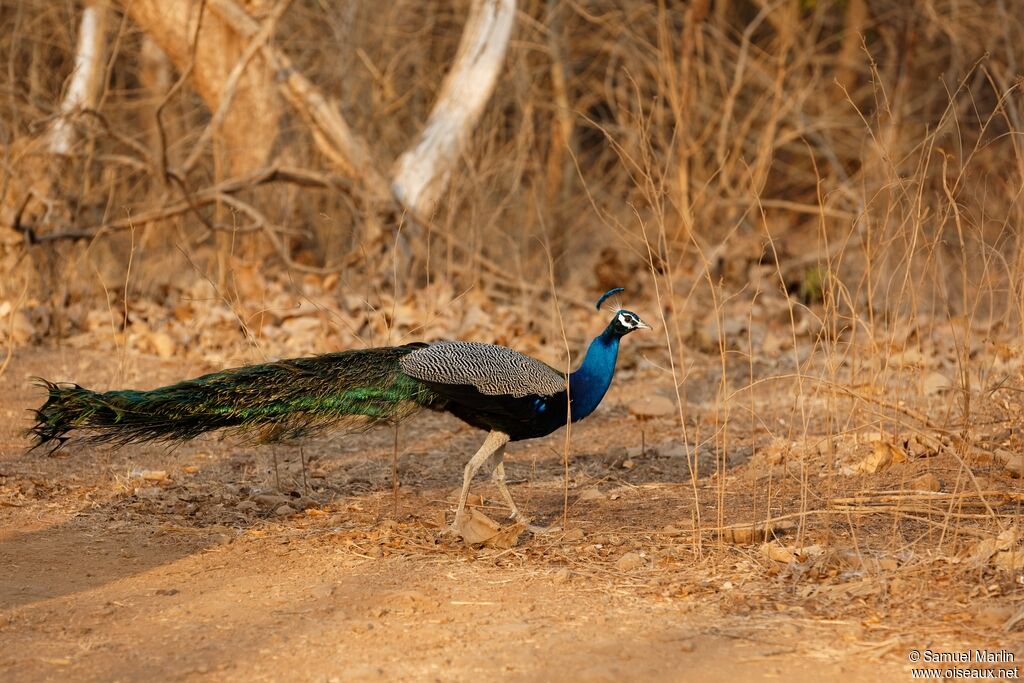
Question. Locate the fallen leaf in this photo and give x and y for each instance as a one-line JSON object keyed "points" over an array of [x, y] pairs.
{"points": [[508, 537], [882, 457], [476, 527], [1008, 538], [810, 551], [1009, 560], [162, 344], [1013, 463], [778, 553], [993, 616], [980, 552]]}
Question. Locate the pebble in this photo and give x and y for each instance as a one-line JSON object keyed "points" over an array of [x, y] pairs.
{"points": [[284, 511], [630, 561], [271, 500], [926, 482], [652, 406]]}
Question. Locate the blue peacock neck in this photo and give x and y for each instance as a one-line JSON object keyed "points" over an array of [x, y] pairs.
{"points": [[591, 380]]}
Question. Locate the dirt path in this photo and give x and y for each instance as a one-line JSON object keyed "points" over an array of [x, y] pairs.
{"points": [[105, 575]]}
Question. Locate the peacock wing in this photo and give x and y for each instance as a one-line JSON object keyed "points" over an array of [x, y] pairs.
{"points": [[490, 369]]}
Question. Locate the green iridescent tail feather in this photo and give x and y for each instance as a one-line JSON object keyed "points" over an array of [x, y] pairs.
{"points": [[351, 390]]}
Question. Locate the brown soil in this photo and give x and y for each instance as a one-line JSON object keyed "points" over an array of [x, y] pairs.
{"points": [[204, 575]]}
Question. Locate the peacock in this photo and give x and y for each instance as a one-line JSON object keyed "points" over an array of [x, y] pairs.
{"points": [[493, 388]]}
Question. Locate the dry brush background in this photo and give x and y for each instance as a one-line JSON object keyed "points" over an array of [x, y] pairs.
{"points": [[816, 202]]}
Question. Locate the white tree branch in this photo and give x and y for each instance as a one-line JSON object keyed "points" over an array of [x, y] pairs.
{"points": [[421, 173], [84, 88]]}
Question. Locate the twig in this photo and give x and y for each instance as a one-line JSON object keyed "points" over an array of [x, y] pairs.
{"points": [[214, 193], [173, 90]]}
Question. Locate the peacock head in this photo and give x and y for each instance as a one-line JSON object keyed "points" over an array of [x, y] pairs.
{"points": [[624, 321]]}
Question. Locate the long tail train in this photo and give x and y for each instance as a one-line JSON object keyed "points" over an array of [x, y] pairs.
{"points": [[350, 390]]}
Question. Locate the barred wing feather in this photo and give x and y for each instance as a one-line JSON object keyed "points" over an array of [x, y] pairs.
{"points": [[492, 370]]}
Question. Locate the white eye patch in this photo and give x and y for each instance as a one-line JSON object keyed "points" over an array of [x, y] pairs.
{"points": [[627, 321]]}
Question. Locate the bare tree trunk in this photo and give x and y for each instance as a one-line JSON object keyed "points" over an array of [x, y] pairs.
{"points": [[155, 73], [36, 195], [851, 59], [421, 174], [87, 78], [559, 169], [250, 126]]}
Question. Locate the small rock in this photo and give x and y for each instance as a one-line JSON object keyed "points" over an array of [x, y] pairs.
{"points": [[246, 505], [993, 616], [149, 492], [573, 535], [757, 532], [926, 482], [1013, 463], [670, 449], [888, 563], [652, 405], [284, 510], [162, 344], [591, 493], [270, 500], [630, 561], [151, 475], [935, 383], [322, 592], [561, 576], [918, 448], [628, 464]]}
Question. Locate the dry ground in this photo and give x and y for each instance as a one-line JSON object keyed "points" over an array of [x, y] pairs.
{"points": [[205, 575]]}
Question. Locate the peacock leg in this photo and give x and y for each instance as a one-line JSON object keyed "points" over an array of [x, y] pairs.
{"points": [[498, 477], [493, 442]]}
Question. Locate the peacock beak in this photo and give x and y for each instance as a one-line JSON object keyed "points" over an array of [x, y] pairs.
{"points": [[641, 325]]}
